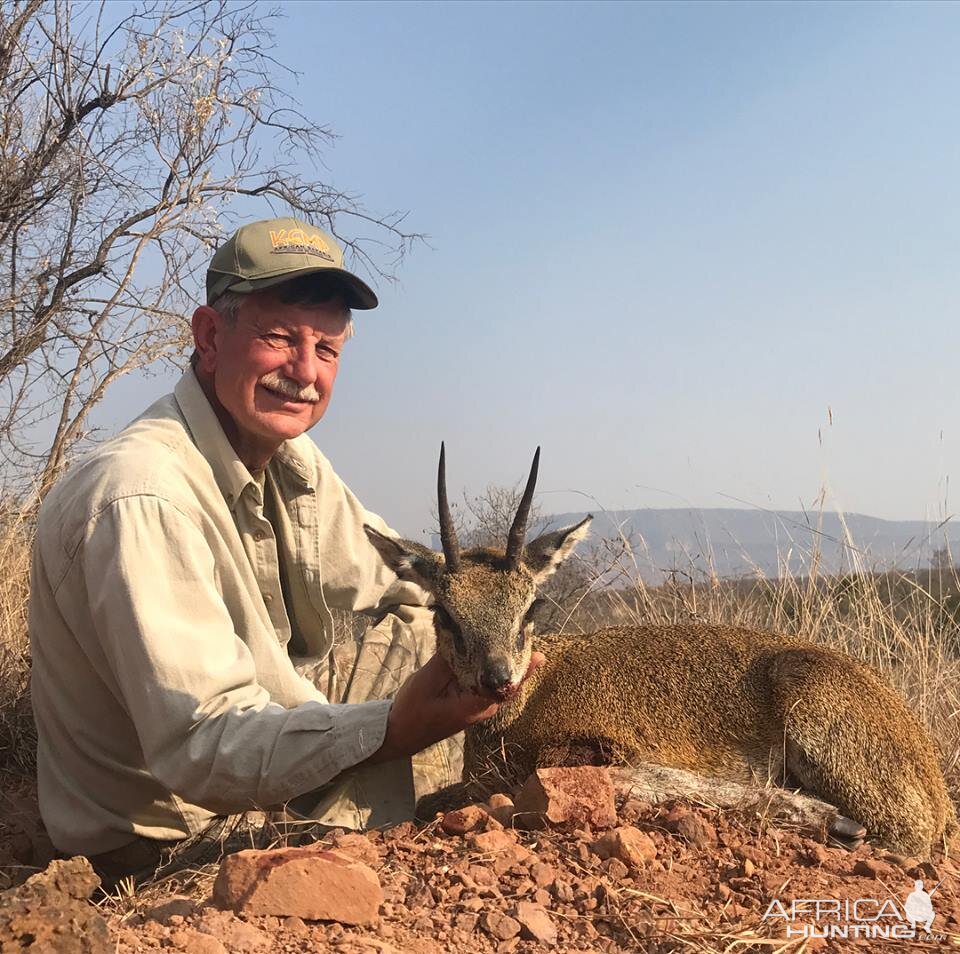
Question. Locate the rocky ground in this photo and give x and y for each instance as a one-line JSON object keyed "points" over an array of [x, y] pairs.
{"points": [[601, 875]]}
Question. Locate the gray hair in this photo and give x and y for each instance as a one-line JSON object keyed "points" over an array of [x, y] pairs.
{"points": [[228, 305]]}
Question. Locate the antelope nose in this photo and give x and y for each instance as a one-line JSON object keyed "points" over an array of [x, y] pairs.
{"points": [[495, 675]]}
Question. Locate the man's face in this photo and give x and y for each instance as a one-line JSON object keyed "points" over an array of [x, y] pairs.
{"points": [[273, 368]]}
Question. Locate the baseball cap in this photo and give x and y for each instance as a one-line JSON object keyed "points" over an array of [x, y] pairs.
{"points": [[271, 251]]}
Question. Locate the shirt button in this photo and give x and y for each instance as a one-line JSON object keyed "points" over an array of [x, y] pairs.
{"points": [[259, 535], [268, 598]]}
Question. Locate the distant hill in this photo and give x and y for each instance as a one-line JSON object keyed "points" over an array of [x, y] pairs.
{"points": [[738, 542]]}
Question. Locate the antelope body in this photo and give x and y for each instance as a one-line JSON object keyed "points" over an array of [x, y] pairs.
{"points": [[721, 701]]}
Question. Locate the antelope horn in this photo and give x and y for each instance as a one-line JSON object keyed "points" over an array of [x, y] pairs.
{"points": [[448, 533], [519, 528]]}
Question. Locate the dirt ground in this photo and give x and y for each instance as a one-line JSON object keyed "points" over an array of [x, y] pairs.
{"points": [[718, 882]]}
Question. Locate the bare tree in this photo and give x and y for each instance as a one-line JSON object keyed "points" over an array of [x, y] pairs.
{"points": [[126, 134]]}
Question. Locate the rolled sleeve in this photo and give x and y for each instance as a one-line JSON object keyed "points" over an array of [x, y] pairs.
{"points": [[208, 729]]}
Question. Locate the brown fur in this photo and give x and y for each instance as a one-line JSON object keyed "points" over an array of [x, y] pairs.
{"points": [[734, 704], [717, 700]]}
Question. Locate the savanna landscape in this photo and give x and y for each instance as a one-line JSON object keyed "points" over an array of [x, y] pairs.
{"points": [[668, 236], [687, 876]]}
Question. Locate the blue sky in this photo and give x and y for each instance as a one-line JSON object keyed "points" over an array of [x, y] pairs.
{"points": [[664, 241]]}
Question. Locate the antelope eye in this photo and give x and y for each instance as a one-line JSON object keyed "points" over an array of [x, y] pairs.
{"points": [[446, 621]]}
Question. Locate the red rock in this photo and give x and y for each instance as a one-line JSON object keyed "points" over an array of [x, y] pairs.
{"points": [[481, 875], [49, 912], [672, 818], [696, 831], [868, 868], [535, 923], [616, 869], [493, 841], [521, 855], [358, 846], [817, 855], [188, 941], [563, 891], [586, 929], [419, 895], [567, 796], [235, 935], [633, 808], [512, 857], [311, 883], [171, 907], [400, 832], [746, 851], [630, 845], [543, 875], [501, 926], [462, 820], [501, 808]]}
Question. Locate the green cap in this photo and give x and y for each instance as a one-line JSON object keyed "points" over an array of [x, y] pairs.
{"points": [[266, 253]]}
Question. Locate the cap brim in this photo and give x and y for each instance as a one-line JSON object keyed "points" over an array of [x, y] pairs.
{"points": [[362, 296]]}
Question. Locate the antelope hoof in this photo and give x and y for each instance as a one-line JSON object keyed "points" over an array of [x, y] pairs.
{"points": [[846, 833]]}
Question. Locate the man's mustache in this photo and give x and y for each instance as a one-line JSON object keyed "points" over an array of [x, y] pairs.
{"points": [[275, 381]]}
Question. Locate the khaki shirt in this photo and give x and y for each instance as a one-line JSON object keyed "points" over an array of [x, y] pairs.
{"points": [[165, 609]]}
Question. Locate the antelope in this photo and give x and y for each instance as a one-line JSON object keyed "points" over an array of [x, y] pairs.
{"points": [[725, 703]]}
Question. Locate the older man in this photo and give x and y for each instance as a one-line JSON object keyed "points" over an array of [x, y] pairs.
{"points": [[183, 567]]}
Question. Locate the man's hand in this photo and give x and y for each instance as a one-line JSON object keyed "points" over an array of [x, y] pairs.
{"points": [[431, 706]]}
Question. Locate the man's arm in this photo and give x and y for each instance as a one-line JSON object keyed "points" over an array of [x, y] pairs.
{"points": [[207, 728]]}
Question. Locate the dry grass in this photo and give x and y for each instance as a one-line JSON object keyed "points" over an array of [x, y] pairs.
{"points": [[17, 733]]}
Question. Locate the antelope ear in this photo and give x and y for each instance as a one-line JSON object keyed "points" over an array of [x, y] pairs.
{"points": [[411, 561], [543, 555]]}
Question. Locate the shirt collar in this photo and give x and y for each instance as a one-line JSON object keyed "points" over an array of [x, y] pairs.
{"points": [[230, 473]]}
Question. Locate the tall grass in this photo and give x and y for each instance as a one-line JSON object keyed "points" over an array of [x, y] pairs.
{"points": [[17, 732]]}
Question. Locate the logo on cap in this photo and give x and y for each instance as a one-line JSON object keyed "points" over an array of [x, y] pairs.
{"points": [[297, 241]]}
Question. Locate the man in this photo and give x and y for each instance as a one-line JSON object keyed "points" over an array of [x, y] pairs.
{"points": [[183, 566]]}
